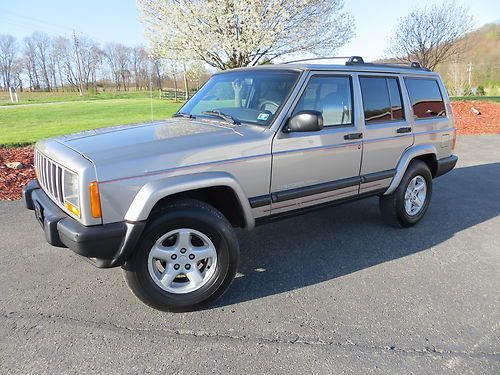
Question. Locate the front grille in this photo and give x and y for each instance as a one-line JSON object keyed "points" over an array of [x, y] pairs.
{"points": [[50, 176]]}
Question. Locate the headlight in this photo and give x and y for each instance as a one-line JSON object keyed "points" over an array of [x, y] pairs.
{"points": [[70, 192]]}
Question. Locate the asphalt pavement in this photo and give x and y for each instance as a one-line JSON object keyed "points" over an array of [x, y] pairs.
{"points": [[334, 291]]}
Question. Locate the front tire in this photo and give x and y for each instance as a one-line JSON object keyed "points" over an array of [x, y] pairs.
{"points": [[407, 205], [186, 258]]}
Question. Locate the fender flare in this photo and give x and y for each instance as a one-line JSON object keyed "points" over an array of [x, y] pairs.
{"points": [[405, 160], [156, 190]]}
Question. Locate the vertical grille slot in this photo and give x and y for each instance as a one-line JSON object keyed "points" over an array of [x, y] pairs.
{"points": [[50, 177], [59, 183]]}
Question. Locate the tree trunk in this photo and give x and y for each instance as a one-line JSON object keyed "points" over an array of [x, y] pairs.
{"points": [[186, 87], [175, 85], [60, 76]]}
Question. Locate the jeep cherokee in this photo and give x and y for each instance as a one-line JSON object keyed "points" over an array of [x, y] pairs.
{"points": [[253, 145]]}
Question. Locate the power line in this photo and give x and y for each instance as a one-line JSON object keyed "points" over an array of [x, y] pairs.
{"points": [[55, 27]]}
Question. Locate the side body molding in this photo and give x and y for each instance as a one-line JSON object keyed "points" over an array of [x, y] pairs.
{"points": [[153, 191], [405, 160]]}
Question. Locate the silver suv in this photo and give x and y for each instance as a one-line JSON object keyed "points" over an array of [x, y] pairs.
{"points": [[253, 145]]}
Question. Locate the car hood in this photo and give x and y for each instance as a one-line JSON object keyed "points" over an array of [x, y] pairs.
{"points": [[129, 141], [141, 149]]}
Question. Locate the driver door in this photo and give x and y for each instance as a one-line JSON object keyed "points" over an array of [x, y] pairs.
{"points": [[314, 168]]}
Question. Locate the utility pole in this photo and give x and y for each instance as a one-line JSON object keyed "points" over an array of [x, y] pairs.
{"points": [[469, 70], [78, 63]]}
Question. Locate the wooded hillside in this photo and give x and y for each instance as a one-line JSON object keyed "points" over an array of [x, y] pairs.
{"points": [[483, 52]]}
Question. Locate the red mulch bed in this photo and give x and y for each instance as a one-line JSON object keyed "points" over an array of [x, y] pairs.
{"points": [[13, 180], [488, 122]]}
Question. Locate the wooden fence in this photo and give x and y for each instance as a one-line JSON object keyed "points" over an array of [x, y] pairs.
{"points": [[174, 95]]}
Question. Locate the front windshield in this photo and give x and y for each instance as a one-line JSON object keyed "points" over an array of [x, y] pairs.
{"points": [[246, 96]]}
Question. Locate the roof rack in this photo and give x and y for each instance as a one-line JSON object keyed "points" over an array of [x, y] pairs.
{"points": [[318, 58], [358, 60]]}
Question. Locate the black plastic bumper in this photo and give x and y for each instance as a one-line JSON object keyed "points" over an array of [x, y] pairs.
{"points": [[105, 246], [445, 165]]}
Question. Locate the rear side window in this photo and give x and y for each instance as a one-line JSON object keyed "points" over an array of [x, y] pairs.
{"points": [[381, 99], [425, 97]]}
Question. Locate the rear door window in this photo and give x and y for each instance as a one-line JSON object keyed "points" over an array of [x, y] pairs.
{"points": [[425, 97], [381, 99]]}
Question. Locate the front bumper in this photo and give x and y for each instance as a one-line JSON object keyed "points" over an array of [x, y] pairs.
{"points": [[105, 246]]}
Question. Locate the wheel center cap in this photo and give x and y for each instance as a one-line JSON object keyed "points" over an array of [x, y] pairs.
{"points": [[183, 259]]}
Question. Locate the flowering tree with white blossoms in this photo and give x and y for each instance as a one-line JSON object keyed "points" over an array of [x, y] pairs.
{"points": [[229, 33]]}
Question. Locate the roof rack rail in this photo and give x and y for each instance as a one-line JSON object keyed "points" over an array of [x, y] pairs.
{"points": [[355, 60], [358, 60], [320, 58]]}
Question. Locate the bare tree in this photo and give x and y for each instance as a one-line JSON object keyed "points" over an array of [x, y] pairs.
{"points": [[118, 57], [141, 65], [42, 44], [66, 64], [79, 64], [17, 74], [157, 70], [431, 35], [123, 60], [90, 59], [232, 33], [8, 51], [29, 56], [59, 52]]}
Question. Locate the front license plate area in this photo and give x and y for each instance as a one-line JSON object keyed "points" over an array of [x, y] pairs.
{"points": [[38, 212]]}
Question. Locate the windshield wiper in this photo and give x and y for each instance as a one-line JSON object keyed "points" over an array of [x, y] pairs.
{"points": [[224, 116], [183, 114]]}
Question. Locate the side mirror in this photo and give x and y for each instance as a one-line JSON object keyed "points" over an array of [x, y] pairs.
{"points": [[305, 121]]}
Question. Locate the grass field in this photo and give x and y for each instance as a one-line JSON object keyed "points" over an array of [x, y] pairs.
{"points": [[53, 97], [26, 124], [495, 99]]}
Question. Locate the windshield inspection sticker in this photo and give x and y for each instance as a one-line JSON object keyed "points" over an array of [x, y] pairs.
{"points": [[263, 116]]}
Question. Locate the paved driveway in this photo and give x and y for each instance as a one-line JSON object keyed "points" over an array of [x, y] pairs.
{"points": [[329, 292]]}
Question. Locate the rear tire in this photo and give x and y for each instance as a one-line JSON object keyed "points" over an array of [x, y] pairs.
{"points": [[186, 257], [407, 205]]}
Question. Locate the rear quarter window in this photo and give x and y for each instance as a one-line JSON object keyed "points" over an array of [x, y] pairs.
{"points": [[425, 96]]}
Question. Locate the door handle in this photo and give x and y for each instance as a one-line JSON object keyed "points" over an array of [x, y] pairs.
{"points": [[352, 136], [404, 130]]}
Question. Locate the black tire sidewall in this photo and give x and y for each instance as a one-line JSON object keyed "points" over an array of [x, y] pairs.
{"points": [[416, 168], [217, 229]]}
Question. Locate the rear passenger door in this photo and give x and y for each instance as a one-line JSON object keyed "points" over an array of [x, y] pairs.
{"points": [[386, 131]]}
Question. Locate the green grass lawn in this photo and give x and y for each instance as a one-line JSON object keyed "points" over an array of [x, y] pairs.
{"points": [[495, 99], [22, 125], [27, 97]]}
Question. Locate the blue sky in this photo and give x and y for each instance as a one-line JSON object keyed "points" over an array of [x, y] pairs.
{"points": [[117, 20]]}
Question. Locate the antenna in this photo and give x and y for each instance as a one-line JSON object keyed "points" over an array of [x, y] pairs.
{"points": [[151, 90]]}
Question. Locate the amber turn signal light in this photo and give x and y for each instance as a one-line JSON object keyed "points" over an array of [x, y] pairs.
{"points": [[95, 200], [72, 208]]}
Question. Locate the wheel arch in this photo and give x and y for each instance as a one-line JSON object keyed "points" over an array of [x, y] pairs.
{"points": [[426, 153], [219, 189]]}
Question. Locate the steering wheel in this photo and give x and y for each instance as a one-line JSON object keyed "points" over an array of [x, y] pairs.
{"points": [[264, 104]]}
